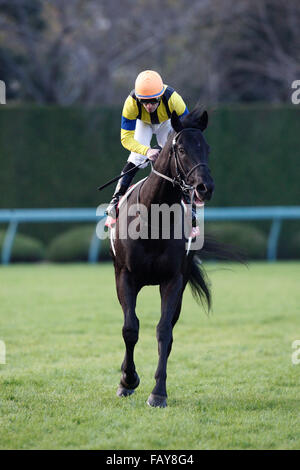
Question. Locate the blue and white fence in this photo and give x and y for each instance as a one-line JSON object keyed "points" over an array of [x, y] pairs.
{"points": [[14, 217]]}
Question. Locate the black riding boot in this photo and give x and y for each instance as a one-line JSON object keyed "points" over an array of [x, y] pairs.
{"points": [[121, 188]]}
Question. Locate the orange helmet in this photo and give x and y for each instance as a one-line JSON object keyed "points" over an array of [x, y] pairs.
{"points": [[148, 85]]}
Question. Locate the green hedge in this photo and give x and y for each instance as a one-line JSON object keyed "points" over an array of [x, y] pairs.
{"points": [[56, 157], [61, 155], [73, 245], [24, 248], [294, 246], [244, 238]]}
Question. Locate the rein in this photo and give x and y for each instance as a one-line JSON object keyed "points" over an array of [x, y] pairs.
{"points": [[178, 180]]}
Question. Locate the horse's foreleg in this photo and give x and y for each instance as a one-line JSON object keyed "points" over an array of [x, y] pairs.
{"points": [[127, 293], [171, 298]]}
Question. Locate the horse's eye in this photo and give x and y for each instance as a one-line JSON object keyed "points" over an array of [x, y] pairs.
{"points": [[181, 150]]}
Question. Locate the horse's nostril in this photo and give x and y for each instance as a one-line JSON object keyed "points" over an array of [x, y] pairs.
{"points": [[202, 188]]}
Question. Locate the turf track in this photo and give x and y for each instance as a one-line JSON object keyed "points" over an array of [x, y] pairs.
{"points": [[231, 381]]}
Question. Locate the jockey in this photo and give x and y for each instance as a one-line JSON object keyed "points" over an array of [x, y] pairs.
{"points": [[147, 111]]}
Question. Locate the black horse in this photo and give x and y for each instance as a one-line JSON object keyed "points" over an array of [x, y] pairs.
{"points": [[181, 168]]}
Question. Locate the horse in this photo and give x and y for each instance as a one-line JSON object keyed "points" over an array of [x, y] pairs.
{"points": [[181, 167]]}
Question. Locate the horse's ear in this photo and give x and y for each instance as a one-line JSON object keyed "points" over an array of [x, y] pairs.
{"points": [[203, 121], [176, 122]]}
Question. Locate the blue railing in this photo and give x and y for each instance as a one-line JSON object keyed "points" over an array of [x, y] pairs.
{"points": [[16, 216]]}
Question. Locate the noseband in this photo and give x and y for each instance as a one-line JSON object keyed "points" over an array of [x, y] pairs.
{"points": [[181, 177]]}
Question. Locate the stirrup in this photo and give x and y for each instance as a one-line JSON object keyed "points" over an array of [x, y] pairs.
{"points": [[112, 209]]}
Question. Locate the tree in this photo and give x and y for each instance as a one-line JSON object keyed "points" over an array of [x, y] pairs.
{"points": [[90, 51]]}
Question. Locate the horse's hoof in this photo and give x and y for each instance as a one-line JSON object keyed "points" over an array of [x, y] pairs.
{"points": [[124, 392], [124, 389], [157, 401]]}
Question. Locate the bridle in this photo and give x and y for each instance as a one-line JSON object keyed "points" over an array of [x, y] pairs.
{"points": [[181, 177]]}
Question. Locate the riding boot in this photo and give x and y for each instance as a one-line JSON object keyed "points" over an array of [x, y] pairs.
{"points": [[121, 188]]}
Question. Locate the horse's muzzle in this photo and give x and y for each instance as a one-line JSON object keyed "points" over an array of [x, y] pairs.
{"points": [[205, 190]]}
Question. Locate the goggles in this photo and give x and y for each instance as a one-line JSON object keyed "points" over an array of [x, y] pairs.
{"points": [[151, 100]]}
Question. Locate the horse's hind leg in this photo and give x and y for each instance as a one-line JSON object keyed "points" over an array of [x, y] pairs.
{"points": [[127, 293]]}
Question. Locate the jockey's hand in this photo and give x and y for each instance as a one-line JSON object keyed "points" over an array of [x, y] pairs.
{"points": [[152, 154]]}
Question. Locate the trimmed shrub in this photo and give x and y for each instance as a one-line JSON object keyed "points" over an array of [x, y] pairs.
{"points": [[289, 240], [295, 245], [73, 245], [25, 248], [243, 237]]}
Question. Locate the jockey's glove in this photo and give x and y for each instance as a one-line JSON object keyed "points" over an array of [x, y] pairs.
{"points": [[152, 154]]}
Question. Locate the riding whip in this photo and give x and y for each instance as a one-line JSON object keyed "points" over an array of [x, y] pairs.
{"points": [[121, 175]]}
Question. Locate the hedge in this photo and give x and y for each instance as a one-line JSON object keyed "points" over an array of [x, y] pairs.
{"points": [[294, 250], [244, 238], [61, 155], [73, 245], [25, 248], [56, 157]]}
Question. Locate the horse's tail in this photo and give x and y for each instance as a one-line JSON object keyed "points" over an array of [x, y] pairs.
{"points": [[198, 280], [199, 283]]}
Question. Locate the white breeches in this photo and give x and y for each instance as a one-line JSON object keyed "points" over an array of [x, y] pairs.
{"points": [[143, 134]]}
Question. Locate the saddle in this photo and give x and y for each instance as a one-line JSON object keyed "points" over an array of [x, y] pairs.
{"points": [[111, 221]]}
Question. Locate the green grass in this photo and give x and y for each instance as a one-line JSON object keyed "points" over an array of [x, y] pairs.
{"points": [[231, 382]]}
